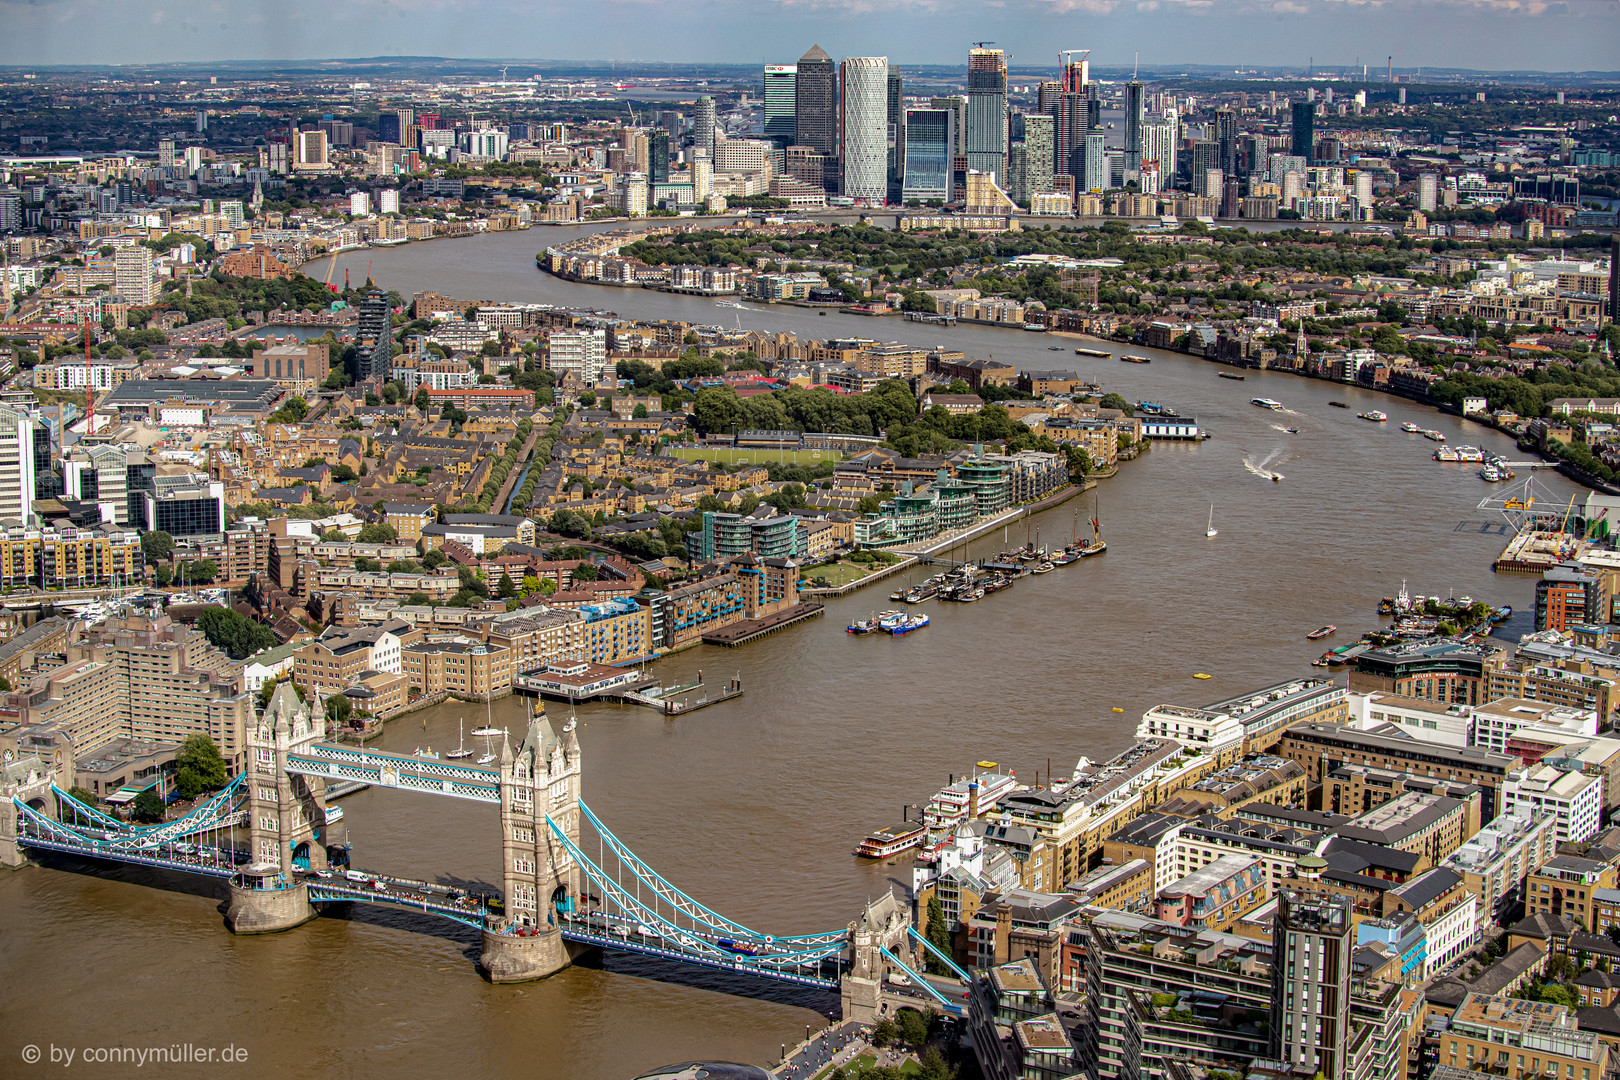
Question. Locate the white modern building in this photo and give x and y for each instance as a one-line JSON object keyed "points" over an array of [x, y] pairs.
{"points": [[1497, 722], [864, 108], [1574, 799], [1427, 721], [1211, 732], [359, 203], [16, 466], [583, 352]]}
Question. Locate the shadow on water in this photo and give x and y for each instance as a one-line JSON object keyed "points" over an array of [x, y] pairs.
{"points": [[720, 982], [151, 877]]}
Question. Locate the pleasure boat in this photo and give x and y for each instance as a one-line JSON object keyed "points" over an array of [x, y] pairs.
{"points": [[1266, 403], [1375, 416]]}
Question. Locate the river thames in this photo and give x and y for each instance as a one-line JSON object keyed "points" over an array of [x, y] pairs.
{"points": [[753, 806]]}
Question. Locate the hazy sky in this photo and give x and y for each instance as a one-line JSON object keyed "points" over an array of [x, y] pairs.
{"points": [[1556, 35]]}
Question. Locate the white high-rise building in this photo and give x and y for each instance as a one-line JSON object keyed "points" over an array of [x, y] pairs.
{"points": [[132, 274], [16, 466], [488, 143], [1159, 144], [193, 159], [1364, 188], [359, 203], [583, 352], [1428, 192], [865, 125], [703, 125], [388, 201], [742, 156], [702, 178], [632, 194], [310, 152]]}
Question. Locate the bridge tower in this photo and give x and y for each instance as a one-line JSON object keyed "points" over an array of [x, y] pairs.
{"points": [[539, 786], [27, 780], [286, 819], [883, 925]]}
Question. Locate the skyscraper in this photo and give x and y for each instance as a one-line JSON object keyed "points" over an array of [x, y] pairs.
{"points": [[1614, 279], [1226, 138], [863, 127], [658, 156], [815, 102], [780, 118], [930, 146], [987, 113], [1070, 114], [1094, 174], [374, 336], [16, 466], [703, 125], [1135, 117], [1428, 192], [1029, 161], [1310, 983], [896, 133], [1206, 158], [958, 106], [1304, 141]]}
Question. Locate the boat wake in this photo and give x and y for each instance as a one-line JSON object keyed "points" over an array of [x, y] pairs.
{"points": [[1262, 468], [1279, 427]]}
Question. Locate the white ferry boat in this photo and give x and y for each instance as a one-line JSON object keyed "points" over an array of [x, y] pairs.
{"points": [[1266, 403], [1375, 416], [951, 803], [1410, 428], [891, 840], [1446, 453]]}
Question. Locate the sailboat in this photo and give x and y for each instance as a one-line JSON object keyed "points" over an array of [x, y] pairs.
{"points": [[1098, 545], [1211, 530], [461, 750], [490, 730]]}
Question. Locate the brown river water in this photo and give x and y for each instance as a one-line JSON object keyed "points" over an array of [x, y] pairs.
{"points": [[754, 805]]}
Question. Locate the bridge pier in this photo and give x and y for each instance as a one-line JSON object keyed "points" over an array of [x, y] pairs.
{"points": [[258, 907], [513, 958]]}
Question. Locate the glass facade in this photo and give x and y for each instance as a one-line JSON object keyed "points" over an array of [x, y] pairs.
{"points": [[987, 113], [780, 104], [188, 514], [930, 141]]}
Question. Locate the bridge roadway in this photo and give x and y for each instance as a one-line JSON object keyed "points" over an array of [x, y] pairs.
{"points": [[408, 772]]}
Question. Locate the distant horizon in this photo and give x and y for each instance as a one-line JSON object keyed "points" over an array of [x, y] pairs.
{"points": [[1325, 71], [1541, 37]]}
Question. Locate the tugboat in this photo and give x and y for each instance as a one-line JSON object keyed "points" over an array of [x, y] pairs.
{"points": [[862, 626], [906, 624]]}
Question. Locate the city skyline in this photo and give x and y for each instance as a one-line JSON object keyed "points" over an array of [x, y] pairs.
{"points": [[1510, 35]]}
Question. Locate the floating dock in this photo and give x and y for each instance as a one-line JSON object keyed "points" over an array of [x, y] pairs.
{"points": [[741, 633]]}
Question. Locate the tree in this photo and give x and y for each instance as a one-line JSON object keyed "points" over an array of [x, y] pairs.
{"points": [[938, 934], [639, 413], [423, 401], [1114, 401], [584, 572], [378, 532], [506, 588], [434, 559], [912, 1027], [718, 409], [335, 536], [292, 411], [233, 632], [148, 806], [338, 709], [935, 1067], [587, 398], [884, 1032], [869, 504], [157, 546], [200, 571]]}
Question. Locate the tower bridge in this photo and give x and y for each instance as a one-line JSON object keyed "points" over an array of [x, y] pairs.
{"points": [[568, 886]]}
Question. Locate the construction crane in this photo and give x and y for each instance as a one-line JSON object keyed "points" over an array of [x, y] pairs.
{"points": [[982, 44]]}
